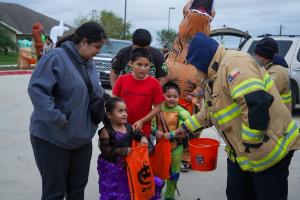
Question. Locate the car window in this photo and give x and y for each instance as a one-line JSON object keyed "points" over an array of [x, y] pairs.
{"points": [[112, 47], [283, 45], [229, 42], [298, 55]]}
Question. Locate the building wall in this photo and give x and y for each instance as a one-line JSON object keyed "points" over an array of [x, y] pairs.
{"points": [[12, 34]]}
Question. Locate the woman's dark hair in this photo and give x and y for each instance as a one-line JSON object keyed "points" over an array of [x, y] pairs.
{"points": [[92, 31], [109, 107], [171, 85], [140, 53]]}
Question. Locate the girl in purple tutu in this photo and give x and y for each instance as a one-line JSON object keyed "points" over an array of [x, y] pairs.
{"points": [[114, 142]]}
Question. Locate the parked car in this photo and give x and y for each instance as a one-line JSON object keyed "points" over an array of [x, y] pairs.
{"points": [[289, 46], [230, 38], [103, 59]]}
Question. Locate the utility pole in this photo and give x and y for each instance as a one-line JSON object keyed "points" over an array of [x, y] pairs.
{"points": [[170, 8], [124, 31], [94, 14], [280, 29]]}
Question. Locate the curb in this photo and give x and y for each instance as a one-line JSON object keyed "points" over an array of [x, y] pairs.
{"points": [[15, 72]]}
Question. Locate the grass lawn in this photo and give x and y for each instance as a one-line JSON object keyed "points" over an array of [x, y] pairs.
{"points": [[11, 58]]}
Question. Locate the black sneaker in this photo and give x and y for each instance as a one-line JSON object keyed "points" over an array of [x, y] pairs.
{"points": [[185, 167]]}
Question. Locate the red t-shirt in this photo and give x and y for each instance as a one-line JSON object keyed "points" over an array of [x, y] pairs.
{"points": [[139, 96]]}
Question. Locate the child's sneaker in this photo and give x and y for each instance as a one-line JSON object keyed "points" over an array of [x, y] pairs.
{"points": [[185, 167]]}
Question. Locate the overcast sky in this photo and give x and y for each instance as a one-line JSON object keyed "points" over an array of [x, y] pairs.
{"points": [[256, 16]]}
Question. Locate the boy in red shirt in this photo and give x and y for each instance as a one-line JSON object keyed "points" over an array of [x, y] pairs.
{"points": [[142, 93]]}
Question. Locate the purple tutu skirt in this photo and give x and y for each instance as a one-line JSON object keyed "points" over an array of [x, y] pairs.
{"points": [[113, 183]]}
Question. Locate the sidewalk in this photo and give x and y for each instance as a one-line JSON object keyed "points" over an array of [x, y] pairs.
{"points": [[20, 178]]}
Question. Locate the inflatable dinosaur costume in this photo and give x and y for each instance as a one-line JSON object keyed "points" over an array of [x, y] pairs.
{"points": [[197, 16]]}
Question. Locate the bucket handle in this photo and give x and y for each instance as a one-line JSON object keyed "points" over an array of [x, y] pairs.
{"points": [[217, 133]]}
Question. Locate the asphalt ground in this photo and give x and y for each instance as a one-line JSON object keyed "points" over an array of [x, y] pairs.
{"points": [[20, 179]]}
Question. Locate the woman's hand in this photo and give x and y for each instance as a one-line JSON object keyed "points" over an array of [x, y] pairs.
{"points": [[63, 125]]}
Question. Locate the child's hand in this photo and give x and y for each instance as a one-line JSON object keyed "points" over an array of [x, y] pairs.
{"points": [[189, 98], [180, 132], [128, 151], [159, 134], [167, 136], [144, 141], [137, 126]]}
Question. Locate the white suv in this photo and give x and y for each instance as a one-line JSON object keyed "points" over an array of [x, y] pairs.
{"points": [[289, 49]]}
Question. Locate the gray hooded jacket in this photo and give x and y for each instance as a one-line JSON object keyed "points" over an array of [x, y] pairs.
{"points": [[59, 94]]}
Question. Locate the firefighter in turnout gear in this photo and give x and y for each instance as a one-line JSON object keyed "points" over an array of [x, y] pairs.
{"points": [[242, 102], [265, 53]]}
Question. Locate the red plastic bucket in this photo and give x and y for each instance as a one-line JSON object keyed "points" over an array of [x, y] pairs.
{"points": [[204, 153]]}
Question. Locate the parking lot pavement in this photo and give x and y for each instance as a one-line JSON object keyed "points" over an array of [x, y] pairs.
{"points": [[20, 178]]}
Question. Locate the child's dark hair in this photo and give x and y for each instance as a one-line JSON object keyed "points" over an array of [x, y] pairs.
{"points": [[140, 53], [141, 37], [92, 31], [109, 107], [171, 85]]}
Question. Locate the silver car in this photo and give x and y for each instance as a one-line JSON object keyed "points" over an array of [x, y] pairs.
{"points": [[103, 59]]}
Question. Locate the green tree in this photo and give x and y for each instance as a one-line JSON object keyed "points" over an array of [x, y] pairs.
{"points": [[165, 37], [112, 24], [6, 42], [80, 19]]}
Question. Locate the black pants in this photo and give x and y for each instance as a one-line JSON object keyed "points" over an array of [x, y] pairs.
{"points": [[64, 172], [271, 184]]}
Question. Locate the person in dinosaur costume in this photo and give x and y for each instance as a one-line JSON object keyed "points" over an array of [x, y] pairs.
{"points": [[37, 30], [197, 17]]}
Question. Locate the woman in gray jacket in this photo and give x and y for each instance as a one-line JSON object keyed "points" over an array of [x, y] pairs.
{"points": [[61, 128]]}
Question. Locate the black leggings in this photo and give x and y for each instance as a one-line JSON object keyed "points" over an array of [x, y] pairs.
{"points": [[64, 172]]}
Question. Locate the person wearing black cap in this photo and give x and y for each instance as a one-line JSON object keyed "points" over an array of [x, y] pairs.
{"points": [[242, 102], [121, 64], [266, 53], [61, 125]]}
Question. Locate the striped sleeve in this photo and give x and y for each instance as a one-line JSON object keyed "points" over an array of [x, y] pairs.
{"points": [[197, 122]]}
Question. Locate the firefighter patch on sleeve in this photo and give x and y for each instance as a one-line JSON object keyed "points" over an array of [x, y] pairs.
{"points": [[234, 74]]}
